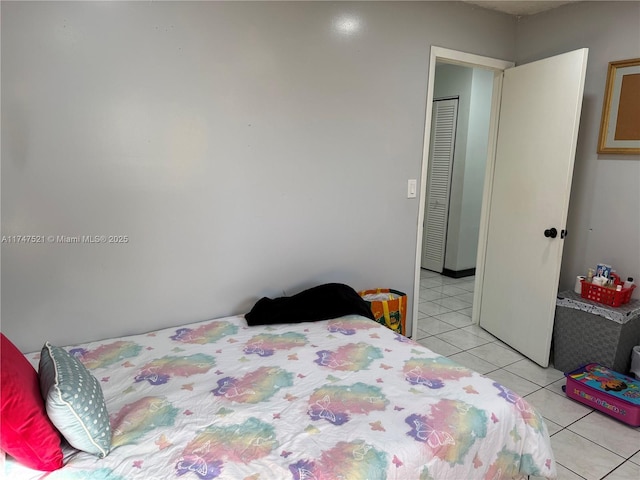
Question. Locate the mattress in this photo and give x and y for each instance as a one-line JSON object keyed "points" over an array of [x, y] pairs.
{"points": [[336, 399]]}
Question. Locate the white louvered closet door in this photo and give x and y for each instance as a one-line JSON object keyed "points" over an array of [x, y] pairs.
{"points": [[443, 137]]}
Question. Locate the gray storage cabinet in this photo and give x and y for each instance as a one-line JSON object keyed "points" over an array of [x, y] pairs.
{"points": [[586, 331]]}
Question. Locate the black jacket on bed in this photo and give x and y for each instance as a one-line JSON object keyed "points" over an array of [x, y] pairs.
{"points": [[323, 302]]}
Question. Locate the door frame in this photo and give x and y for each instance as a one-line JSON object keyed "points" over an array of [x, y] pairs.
{"points": [[473, 61]]}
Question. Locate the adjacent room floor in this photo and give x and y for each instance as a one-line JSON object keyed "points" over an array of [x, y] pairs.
{"points": [[587, 444]]}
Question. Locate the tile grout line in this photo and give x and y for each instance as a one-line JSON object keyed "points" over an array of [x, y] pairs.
{"points": [[576, 474], [624, 459]]}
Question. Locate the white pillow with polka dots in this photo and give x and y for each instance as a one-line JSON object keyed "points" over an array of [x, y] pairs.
{"points": [[74, 401]]}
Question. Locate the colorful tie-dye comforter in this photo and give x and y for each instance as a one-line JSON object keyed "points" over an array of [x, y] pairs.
{"points": [[337, 399]]}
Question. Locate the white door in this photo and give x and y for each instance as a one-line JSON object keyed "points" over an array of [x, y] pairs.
{"points": [[443, 135], [535, 150]]}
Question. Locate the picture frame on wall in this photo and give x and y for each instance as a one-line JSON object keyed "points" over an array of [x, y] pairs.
{"points": [[620, 124]]}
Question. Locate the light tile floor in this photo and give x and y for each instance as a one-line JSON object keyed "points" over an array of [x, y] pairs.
{"points": [[587, 444]]}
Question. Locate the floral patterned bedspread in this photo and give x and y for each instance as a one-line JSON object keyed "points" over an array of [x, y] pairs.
{"points": [[337, 399]]}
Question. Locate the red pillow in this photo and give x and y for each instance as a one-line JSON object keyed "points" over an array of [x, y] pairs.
{"points": [[26, 433]]}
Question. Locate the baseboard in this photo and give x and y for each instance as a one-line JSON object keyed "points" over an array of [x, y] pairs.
{"points": [[458, 273]]}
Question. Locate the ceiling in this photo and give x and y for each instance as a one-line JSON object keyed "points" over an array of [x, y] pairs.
{"points": [[522, 7]]}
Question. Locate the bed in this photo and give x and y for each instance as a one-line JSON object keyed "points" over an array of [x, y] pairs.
{"points": [[344, 398]]}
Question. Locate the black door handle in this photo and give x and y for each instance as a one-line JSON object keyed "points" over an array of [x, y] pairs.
{"points": [[551, 233]]}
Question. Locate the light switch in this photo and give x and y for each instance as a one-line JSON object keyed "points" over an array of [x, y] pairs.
{"points": [[412, 186]]}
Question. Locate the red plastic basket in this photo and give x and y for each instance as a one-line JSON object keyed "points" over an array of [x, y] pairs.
{"points": [[607, 295]]}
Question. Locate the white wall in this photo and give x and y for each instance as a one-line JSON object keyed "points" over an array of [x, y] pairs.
{"points": [[474, 167], [604, 210], [246, 149]]}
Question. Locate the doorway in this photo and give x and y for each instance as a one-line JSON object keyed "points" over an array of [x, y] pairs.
{"points": [[527, 187], [496, 67], [456, 168]]}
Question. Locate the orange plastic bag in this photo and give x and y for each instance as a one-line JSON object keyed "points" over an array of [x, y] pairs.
{"points": [[389, 307]]}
